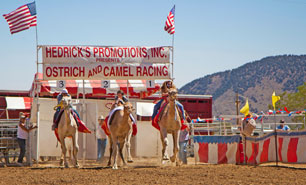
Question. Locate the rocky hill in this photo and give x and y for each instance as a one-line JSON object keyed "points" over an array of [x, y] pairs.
{"points": [[255, 80]]}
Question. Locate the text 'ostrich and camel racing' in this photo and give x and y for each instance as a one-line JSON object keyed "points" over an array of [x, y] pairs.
{"points": [[88, 62]]}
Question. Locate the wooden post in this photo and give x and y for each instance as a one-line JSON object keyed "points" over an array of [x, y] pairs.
{"points": [[237, 102]]}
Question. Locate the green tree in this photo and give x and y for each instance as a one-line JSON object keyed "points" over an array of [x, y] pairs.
{"points": [[293, 101]]}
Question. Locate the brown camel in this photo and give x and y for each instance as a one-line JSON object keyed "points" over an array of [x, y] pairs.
{"points": [[170, 122], [67, 127], [121, 130]]}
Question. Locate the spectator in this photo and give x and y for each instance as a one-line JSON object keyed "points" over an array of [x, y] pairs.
{"points": [[22, 135], [101, 139], [183, 142], [282, 126]]}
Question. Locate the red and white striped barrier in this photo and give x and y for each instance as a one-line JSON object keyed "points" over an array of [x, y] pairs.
{"points": [[290, 147], [217, 149]]}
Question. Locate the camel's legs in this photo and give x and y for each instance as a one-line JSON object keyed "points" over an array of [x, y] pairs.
{"points": [[75, 150], [69, 149], [121, 145], [165, 142], [64, 150], [110, 151], [175, 135], [128, 146], [115, 152]]}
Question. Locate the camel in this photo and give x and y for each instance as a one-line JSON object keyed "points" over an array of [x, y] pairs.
{"points": [[67, 127], [170, 122], [121, 131]]}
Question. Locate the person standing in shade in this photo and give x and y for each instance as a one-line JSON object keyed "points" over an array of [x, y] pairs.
{"points": [[282, 126], [183, 142], [22, 135], [101, 139]]}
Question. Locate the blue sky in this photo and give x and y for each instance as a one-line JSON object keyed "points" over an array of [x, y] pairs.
{"points": [[211, 35]]}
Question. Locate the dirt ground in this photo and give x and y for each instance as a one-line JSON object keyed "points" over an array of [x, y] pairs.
{"points": [[147, 171]]}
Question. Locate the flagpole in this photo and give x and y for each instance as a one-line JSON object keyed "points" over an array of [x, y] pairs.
{"points": [[37, 93], [275, 136], [276, 151], [172, 57], [172, 62]]}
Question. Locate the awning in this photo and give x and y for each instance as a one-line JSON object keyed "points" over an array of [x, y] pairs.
{"points": [[18, 102], [93, 88], [144, 109]]}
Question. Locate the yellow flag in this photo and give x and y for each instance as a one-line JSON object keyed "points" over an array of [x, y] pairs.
{"points": [[245, 109], [274, 99]]}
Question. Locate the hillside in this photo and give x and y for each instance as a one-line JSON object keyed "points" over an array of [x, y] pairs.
{"points": [[255, 80]]}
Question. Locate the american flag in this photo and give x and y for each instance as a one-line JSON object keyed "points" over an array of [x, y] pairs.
{"points": [[22, 18], [169, 27]]}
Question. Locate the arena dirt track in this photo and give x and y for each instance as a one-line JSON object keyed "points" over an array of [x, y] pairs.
{"points": [[154, 174]]}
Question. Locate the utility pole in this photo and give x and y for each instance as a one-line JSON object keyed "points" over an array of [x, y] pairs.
{"points": [[237, 102]]}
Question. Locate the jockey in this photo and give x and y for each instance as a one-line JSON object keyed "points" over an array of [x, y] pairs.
{"points": [[167, 85], [120, 97], [63, 93]]}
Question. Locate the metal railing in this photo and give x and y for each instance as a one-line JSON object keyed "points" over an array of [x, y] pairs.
{"points": [[8, 140]]}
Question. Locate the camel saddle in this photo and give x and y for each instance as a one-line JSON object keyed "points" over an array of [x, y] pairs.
{"points": [[157, 118], [80, 124], [58, 118], [108, 120], [163, 108]]}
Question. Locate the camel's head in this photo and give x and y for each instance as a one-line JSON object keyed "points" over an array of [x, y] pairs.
{"points": [[128, 107], [66, 101], [172, 94]]}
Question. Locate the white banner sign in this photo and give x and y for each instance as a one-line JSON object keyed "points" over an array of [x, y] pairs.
{"points": [[105, 71], [69, 54]]}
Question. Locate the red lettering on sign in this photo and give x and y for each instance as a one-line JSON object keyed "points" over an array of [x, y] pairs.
{"points": [[48, 52], [144, 51], [66, 53], [106, 68], [133, 52], [165, 71], [107, 52], [119, 71], [66, 71], [161, 53], [89, 74], [74, 54], [60, 52], [87, 52], [48, 71], [125, 71], [124, 51], [81, 71], [75, 70], [144, 71], [112, 72], [101, 52], [80, 54], [138, 71], [95, 51], [130, 72], [54, 52], [151, 71], [55, 72], [120, 52]]}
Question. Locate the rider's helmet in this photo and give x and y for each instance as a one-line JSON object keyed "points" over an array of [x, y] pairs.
{"points": [[64, 92]]}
